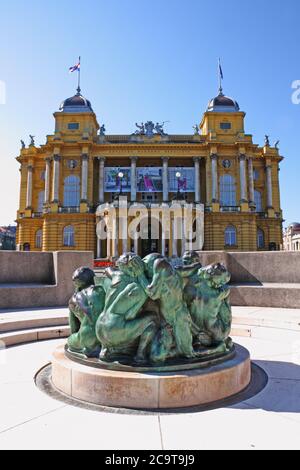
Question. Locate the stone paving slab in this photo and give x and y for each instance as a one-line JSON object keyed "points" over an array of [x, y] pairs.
{"points": [[270, 420]]}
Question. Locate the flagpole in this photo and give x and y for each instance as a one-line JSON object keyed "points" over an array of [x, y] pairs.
{"points": [[79, 71], [220, 77]]}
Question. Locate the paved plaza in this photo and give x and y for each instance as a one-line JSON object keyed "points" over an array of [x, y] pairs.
{"points": [[31, 419]]}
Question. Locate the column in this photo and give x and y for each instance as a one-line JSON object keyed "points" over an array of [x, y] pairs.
{"points": [[243, 180], [165, 179], [116, 237], [29, 187], [124, 245], [84, 177], [56, 171], [183, 249], [174, 240], [197, 179], [133, 179], [99, 250], [214, 170], [163, 244], [47, 180], [208, 179], [136, 245], [269, 187], [101, 179], [108, 245], [251, 181]]}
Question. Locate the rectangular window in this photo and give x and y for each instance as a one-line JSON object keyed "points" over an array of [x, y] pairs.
{"points": [[256, 174], [225, 125], [73, 126]]}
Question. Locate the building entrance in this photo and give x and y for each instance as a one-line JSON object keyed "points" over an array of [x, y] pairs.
{"points": [[149, 246]]}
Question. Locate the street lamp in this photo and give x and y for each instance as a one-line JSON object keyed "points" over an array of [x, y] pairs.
{"points": [[178, 176], [121, 176]]}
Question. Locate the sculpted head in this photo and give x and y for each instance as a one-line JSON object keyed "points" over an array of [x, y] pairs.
{"points": [[149, 263], [190, 257], [130, 264], [83, 278], [216, 274]]}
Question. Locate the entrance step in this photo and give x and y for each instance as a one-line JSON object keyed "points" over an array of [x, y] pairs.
{"points": [[14, 338]]}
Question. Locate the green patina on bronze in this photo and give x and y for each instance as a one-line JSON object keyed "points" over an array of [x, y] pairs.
{"points": [[148, 314], [84, 307]]}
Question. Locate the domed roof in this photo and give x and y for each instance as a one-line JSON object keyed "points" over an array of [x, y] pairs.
{"points": [[222, 104], [295, 226], [76, 104]]}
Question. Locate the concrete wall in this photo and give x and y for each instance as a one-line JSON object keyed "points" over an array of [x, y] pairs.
{"points": [[29, 280], [26, 267], [269, 266], [261, 279]]}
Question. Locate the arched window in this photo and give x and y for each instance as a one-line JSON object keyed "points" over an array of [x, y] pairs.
{"points": [[72, 191], [39, 239], [257, 200], [41, 201], [260, 238], [69, 238], [230, 236], [227, 191]]}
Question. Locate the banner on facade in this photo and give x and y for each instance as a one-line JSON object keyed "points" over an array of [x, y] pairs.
{"points": [[149, 180], [113, 183], [184, 183]]}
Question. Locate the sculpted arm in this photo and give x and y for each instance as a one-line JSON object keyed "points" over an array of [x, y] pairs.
{"points": [[187, 271], [154, 289], [143, 281], [83, 305], [129, 302], [74, 322]]}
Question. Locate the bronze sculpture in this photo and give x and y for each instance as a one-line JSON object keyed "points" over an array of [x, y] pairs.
{"points": [[148, 312], [84, 307]]}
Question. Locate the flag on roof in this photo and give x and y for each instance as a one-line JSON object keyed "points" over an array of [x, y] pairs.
{"points": [[75, 68]]}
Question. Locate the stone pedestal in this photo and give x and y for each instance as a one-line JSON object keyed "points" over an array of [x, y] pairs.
{"points": [[153, 390]]}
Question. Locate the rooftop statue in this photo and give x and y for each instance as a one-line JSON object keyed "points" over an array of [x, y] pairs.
{"points": [[149, 126], [267, 140], [102, 130], [160, 129], [148, 312], [196, 129], [32, 142], [148, 129], [23, 144], [141, 129]]}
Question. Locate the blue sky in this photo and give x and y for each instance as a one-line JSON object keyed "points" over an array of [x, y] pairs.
{"points": [[149, 60]]}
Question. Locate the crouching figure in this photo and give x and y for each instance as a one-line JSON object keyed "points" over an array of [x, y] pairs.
{"points": [[84, 308], [122, 328], [210, 308]]}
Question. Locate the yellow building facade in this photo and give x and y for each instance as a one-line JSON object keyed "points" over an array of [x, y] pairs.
{"points": [[218, 167]]}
